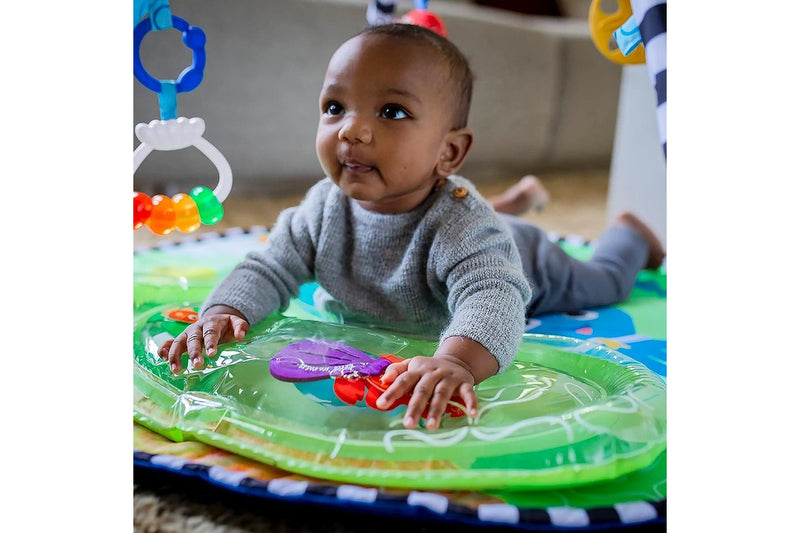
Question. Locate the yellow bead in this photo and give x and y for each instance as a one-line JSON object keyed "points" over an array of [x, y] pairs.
{"points": [[187, 217]]}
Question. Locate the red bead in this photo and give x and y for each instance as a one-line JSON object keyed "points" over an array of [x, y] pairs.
{"points": [[142, 207]]}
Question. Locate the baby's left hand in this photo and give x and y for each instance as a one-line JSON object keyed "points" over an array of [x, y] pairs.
{"points": [[434, 380]]}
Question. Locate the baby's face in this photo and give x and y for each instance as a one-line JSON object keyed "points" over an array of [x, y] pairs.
{"points": [[385, 110]]}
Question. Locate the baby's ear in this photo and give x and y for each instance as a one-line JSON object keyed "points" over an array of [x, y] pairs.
{"points": [[455, 147]]}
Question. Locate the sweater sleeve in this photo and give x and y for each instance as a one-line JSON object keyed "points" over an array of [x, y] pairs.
{"points": [[267, 279], [487, 289]]}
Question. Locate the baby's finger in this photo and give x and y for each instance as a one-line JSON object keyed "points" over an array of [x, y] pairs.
{"points": [[194, 344], [403, 384], [163, 351], [394, 370], [240, 328], [423, 391], [438, 403], [210, 340], [205, 336], [467, 393], [176, 350]]}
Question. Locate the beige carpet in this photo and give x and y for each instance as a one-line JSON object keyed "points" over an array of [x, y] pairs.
{"points": [[577, 207], [176, 505], [165, 504]]}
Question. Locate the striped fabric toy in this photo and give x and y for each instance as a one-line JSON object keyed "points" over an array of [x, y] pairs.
{"points": [[651, 17]]}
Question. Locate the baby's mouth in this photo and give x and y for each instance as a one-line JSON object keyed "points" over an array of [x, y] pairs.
{"points": [[357, 167]]}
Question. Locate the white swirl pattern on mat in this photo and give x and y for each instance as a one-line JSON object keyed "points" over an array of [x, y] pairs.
{"points": [[450, 438]]}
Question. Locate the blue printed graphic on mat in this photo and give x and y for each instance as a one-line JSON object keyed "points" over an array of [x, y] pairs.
{"points": [[610, 327]]}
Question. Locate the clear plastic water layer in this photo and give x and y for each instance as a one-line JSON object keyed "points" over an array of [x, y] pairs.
{"points": [[566, 413]]}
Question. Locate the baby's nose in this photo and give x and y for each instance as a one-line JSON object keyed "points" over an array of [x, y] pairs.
{"points": [[355, 130]]}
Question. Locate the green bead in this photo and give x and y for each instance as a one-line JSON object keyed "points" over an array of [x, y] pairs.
{"points": [[207, 205]]}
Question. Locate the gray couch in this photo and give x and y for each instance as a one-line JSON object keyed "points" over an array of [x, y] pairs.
{"points": [[544, 98]]}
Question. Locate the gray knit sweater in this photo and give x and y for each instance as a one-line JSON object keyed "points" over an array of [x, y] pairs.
{"points": [[447, 268]]}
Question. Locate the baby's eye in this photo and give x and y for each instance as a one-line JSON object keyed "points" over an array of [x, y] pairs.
{"points": [[332, 108], [393, 112]]}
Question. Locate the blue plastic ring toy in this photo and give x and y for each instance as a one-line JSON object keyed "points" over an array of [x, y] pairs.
{"points": [[192, 75]]}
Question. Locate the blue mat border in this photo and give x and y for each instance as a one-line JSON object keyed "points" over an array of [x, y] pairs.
{"points": [[530, 519]]}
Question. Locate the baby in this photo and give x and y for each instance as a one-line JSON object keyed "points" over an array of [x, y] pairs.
{"points": [[396, 239]]}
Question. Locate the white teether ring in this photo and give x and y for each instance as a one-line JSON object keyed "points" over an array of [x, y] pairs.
{"points": [[178, 133]]}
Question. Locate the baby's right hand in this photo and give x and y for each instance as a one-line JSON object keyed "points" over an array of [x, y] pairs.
{"points": [[219, 324]]}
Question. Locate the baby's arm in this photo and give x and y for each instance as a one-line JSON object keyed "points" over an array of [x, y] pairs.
{"points": [[219, 324], [475, 257], [457, 366], [264, 282]]}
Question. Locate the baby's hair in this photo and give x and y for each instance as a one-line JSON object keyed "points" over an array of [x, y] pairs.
{"points": [[460, 73]]}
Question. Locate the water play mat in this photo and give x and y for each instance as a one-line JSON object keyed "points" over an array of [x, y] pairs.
{"points": [[581, 410]]}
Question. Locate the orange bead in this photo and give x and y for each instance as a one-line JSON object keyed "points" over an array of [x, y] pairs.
{"points": [[162, 217], [187, 217]]}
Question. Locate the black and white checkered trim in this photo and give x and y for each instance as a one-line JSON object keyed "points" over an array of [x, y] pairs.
{"points": [[197, 237], [417, 503], [651, 17]]}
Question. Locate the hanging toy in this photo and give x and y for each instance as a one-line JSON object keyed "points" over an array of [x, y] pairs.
{"points": [[382, 12], [421, 16], [621, 27], [184, 212]]}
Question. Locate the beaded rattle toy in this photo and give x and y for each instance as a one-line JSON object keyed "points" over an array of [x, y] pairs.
{"points": [[184, 212]]}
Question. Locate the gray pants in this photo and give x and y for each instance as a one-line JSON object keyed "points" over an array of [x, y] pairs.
{"points": [[563, 284]]}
